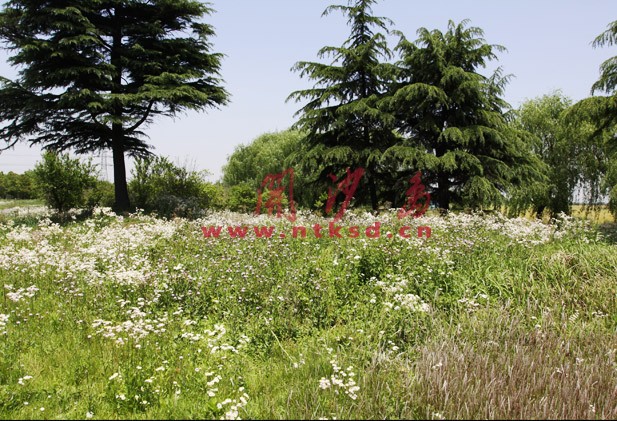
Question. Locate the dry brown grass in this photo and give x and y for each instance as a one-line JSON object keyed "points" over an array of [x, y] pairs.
{"points": [[599, 216], [521, 372]]}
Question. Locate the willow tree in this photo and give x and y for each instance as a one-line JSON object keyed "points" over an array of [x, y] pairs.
{"points": [[454, 119], [268, 154], [93, 74], [344, 124], [558, 146]]}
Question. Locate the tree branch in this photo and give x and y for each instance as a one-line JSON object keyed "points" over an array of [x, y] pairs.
{"points": [[143, 119]]}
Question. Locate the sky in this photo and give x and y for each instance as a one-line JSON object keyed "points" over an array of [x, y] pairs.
{"points": [[548, 46]]}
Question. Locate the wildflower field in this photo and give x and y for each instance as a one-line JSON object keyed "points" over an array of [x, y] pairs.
{"points": [[137, 317]]}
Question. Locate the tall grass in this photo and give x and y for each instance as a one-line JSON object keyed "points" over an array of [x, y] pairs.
{"points": [[143, 318]]}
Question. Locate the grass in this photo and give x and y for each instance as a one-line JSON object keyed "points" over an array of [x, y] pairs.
{"points": [[9, 204], [142, 318]]}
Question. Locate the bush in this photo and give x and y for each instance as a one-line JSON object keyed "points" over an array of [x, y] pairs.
{"points": [[160, 186], [242, 198], [64, 181], [102, 194]]}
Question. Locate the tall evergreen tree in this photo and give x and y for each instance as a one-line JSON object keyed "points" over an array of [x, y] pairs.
{"points": [[94, 73], [454, 119], [345, 126]]}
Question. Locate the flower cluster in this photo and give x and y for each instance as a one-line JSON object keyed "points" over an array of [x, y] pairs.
{"points": [[17, 295], [340, 379], [4, 319]]}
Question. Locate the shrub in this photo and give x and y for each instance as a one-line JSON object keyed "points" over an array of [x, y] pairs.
{"points": [[64, 181], [160, 186], [102, 194], [242, 198]]}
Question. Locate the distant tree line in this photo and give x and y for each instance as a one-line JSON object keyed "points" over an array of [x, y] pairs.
{"points": [[18, 186]]}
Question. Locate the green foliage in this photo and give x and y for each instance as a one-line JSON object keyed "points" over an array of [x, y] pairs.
{"points": [[101, 195], [267, 154], [18, 186], [94, 74], [433, 112], [596, 146], [270, 153], [602, 112], [608, 70], [242, 198], [454, 120], [160, 186], [558, 146], [344, 124], [64, 181]]}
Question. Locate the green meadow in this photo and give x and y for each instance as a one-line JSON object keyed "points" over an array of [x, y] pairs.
{"points": [[137, 317]]}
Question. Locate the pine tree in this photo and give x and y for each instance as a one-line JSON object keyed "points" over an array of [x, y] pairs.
{"points": [[344, 124], [454, 119], [95, 73]]}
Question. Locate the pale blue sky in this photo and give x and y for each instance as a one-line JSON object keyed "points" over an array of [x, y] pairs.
{"points": [[548, 42]]}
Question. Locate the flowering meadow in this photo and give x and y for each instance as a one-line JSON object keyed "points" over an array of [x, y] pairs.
{"points": [[136, 317]]}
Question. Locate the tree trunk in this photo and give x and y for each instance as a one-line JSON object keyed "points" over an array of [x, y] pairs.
{"points": [[443, 185], [443, 193], [372, 191], [122, 203]]}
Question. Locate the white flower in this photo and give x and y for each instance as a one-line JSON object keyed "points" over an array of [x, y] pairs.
{"points": [[324, 383], [113, 376], [89, 414]]}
